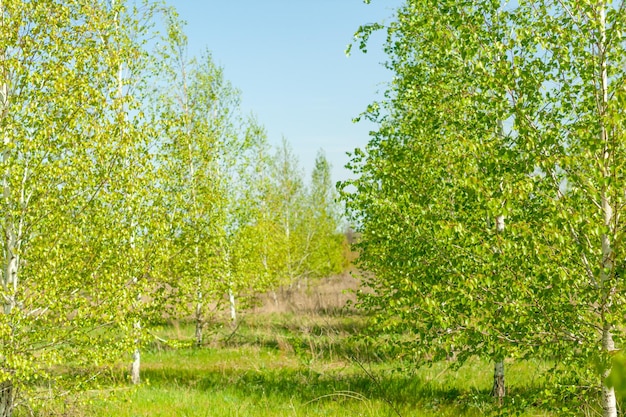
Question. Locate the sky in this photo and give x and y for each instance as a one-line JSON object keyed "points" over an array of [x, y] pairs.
{"points": [[287, 57]]}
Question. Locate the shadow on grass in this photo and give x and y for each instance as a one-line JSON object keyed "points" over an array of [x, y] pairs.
{"points": [[307, 386], [315, 337], [302, 341]]}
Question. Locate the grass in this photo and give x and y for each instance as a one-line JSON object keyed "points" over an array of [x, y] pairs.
{"points": [[288, 365], [299, 358]]}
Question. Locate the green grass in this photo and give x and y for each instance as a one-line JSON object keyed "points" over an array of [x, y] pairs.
{"points": [[298, 366], [262, 382]]}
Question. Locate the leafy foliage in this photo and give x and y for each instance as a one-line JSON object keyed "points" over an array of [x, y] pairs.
{"points": [[497, 111], [74, 162]]}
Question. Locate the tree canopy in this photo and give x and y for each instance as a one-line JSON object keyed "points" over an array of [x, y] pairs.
{"points": [[498, 114]]}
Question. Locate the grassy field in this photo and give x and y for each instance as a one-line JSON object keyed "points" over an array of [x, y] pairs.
{"points": [[288, 365], [301, 358]]}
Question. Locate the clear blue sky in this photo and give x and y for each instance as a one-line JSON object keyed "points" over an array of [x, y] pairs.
{"points": [[287, 58]]}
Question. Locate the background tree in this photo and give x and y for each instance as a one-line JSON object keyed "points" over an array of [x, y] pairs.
{"points": [[213, 167], [285, 233], [252, 235], [325, 242], [195, 110], [286, 200]]}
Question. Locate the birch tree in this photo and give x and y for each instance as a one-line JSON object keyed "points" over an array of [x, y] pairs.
{"points": [[429, 185], [322, 219], [195, 105], [137, 180], [252, 237], [63, 276], [212, 169], [552, 72], [286, 201]]}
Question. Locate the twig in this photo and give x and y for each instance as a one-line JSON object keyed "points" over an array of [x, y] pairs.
{"points": [[348, 394], [378, 385], [232, 334]]}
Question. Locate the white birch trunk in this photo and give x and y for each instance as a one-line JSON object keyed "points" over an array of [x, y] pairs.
{"points": [[199, 316], [9, 286], [135, 367], [609, 402], [11, 261], [499, 387], [11, 264], [233, 308], [288, 236], [231, 293]]}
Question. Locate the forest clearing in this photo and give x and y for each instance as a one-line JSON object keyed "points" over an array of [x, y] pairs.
{"points": [[162, 255], [287, 360]]}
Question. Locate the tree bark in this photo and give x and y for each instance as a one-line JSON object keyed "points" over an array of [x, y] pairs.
{"points": [[135, 368], [499, 388], [11, 260], [233, 308], [199, 319], [6, 399], [199, 296], [609, 402]]}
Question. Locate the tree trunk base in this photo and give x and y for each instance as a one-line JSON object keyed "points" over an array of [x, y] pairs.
{"points": [[498, 391], [199, 335], [135, 369], [6, 399]]}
